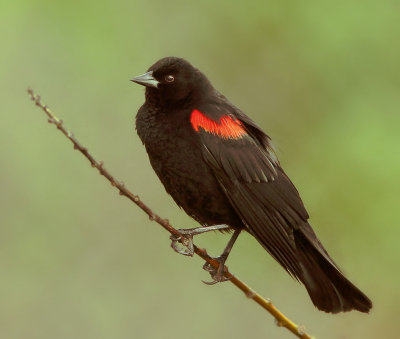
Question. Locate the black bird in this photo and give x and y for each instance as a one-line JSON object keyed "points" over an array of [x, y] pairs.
{"points": [[221, 168]]}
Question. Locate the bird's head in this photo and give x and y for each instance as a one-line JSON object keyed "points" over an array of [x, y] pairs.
{"points": [[173, 80]]}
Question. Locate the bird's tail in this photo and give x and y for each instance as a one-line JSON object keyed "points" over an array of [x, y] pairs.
{"points": [[329, 289]]}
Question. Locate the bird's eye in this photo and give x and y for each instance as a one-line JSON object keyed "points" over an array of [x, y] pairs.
{"points": [[169, 78]]}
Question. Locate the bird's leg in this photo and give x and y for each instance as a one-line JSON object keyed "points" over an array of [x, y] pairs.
{"points": [[217, 274], [188, 235]]}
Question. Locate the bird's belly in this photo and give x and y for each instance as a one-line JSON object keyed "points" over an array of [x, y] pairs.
{"points": [[194, 187]]}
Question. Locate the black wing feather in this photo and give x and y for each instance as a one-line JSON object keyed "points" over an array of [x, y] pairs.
{"points": [[253, 185], [272, 211]]}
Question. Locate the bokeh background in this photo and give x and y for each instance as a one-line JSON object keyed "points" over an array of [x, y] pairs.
{"points": [[79, 261]]}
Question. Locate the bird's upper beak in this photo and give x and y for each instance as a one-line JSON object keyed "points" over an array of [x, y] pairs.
{"points": [[146, 79]]}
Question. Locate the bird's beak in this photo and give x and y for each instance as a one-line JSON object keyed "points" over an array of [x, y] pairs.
{"points": [[146, 79]]}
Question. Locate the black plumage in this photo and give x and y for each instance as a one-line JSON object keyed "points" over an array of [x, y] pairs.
{"points": [[221, 168]]}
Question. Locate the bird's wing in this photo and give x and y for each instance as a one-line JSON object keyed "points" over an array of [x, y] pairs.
{"points": [[243, 161]]}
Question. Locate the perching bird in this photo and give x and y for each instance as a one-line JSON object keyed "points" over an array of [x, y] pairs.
{"points": [[220, 167]]}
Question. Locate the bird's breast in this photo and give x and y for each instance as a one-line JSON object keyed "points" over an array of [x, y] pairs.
{"points": [[176, 156]]}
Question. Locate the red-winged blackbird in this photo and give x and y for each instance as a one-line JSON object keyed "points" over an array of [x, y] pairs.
{"points": [[220, 167]]}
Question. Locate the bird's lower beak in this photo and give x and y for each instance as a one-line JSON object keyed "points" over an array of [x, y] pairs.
{"points": [[146, 79]]}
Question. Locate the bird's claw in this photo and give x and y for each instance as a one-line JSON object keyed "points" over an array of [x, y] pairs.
{"points": [[217, 274], [186, 240]]}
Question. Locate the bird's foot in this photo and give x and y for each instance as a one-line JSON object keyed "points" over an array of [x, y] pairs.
{"points": [[217, 274], [186, 240]]}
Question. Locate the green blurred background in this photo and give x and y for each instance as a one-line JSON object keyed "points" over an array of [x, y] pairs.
{"points": [[79, 261]]}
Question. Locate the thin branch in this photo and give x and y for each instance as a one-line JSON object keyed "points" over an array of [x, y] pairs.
{"points": [[280, 318]]}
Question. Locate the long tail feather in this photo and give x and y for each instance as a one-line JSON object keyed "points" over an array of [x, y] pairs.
{"points": [[329, 289]]}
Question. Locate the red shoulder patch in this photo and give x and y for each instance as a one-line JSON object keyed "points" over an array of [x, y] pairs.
{"points": [[227, 127]]}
